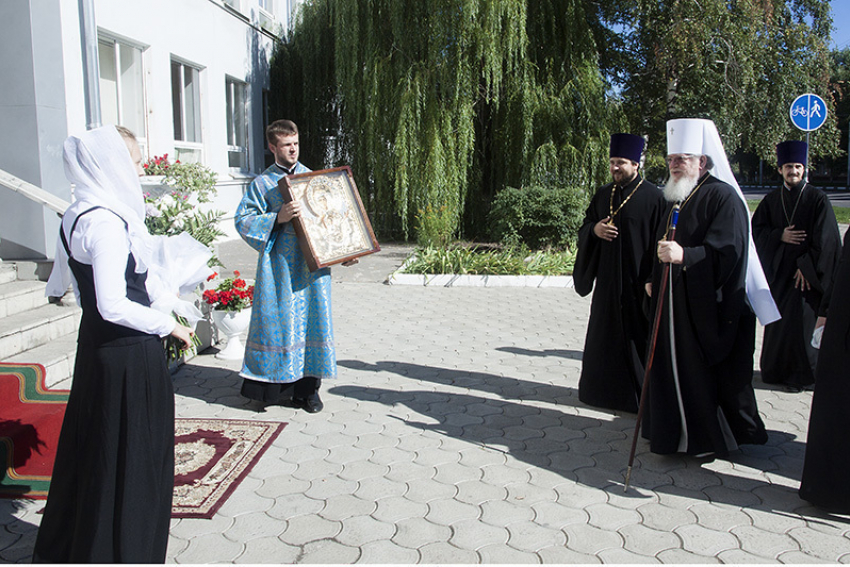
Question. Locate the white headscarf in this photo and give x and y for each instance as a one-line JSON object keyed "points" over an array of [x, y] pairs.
{"points": [[698, 136], [99, 165]]}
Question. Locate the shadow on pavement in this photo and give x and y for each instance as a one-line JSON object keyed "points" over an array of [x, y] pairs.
{"points": [[592, 451], [562, 353]]}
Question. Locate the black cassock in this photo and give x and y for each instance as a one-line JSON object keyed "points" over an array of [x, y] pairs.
{"points": [[825, 472], [615, 345], [787, 356], [703, 401]]}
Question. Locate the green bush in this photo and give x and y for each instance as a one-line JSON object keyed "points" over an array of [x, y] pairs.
{"points": [[537, 216]]}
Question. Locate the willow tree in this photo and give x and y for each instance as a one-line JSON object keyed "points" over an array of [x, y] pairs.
{"points": [[438, 104], [740, 63]]}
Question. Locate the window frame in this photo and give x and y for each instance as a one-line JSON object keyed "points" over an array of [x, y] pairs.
{"points": [[194, 147], [232, 124], [118, 44]]}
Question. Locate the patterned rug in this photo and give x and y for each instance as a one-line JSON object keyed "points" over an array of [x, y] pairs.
{"points": [[212, 456], [30, 420]]}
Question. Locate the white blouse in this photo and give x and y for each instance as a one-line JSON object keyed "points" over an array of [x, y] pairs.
{"points": [[101, 241]]}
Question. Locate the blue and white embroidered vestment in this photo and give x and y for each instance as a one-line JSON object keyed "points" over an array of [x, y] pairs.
{"points": [[291, 332]]}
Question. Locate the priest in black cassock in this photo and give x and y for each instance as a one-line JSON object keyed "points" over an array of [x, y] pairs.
{"points": [[797, 238], [825, 471], [616, 247], [701, 398]]}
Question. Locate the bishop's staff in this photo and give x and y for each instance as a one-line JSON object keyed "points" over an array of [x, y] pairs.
{"points": [[659, 307]]}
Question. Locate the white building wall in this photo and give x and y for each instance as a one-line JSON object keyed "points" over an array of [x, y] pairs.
{"points": [[209, 34]]}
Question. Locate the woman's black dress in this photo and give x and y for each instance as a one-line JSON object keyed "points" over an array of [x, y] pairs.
{"points": [[110, 494]]}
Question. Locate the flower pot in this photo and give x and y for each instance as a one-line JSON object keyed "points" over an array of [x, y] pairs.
{"points": [[232, 324]]}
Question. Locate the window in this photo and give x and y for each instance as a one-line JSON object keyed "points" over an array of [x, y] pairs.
{"points": [[122, 92], [186, 108], [237, 124]]}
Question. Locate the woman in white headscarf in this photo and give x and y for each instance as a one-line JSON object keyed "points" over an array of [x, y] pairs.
{"points": [[110, 493]]}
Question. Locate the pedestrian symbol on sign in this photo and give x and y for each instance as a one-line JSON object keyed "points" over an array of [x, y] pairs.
{"points": [[808, 112]]}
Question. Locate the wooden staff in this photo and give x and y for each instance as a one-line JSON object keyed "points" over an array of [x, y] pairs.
{"points": [[659, 307]]}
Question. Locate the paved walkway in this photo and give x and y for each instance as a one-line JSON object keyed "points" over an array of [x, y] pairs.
{"points": [[454, 434]]}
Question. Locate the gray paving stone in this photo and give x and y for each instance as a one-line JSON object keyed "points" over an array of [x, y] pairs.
{"points": [[761, 544], [502, 513], [578, 495], [435, 456], [646, 541], [624, 557], [704, 541], [442, 552], [346, 506], [189, 528], [251, 526], [590, 540], [316, 469], [328, 487], [505, 554], [720, 517], [680, 556], [800, 558], [609, 518], [327, 551], [427, 490], [210, 548], [447, 512], [770, 522], [733, 496], [361, 470], [291, 505], [418, 533], [376, 488], [410, 472], [565, 555], [820, 545], [268, 550], [275, 486], [530, 536], [476, 492], [391, 455], [530, 494], [301, 530], [395, 508], [358, 530], [503, 475], [474, 534], [384, 552]]}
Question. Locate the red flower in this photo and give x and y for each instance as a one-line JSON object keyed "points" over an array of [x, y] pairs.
{"points": [[212, 276], [232, 294]]}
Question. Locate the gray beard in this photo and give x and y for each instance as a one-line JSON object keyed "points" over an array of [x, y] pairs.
{"points": [[678, 190]]}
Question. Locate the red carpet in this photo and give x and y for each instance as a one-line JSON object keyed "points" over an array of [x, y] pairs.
{"points": [[212, 456], [30, 420]]}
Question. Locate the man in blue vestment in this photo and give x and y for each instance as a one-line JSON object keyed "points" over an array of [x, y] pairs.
{"points": [[290, 346]]}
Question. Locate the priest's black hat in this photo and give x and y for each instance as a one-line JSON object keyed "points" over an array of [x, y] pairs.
{"points": [[627, 146], [791, 151]]}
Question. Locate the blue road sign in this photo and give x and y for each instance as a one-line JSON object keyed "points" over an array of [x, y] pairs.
{"points": [[808, 112]]}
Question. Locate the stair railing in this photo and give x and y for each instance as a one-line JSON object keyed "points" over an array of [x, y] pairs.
{"points": [[33, 193]]}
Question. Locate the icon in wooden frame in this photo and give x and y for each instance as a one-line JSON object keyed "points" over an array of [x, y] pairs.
{"points": [[333, 226]]}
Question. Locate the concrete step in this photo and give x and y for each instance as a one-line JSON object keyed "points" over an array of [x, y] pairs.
{"points": [[24, 331], [8, 273], [19, 296], [57, 357]]}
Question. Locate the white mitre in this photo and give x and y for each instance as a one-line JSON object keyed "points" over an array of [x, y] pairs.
{"points": [[698, 136]]}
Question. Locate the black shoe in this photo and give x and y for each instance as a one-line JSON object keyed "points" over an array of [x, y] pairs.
{"points": [[311, 405]]}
